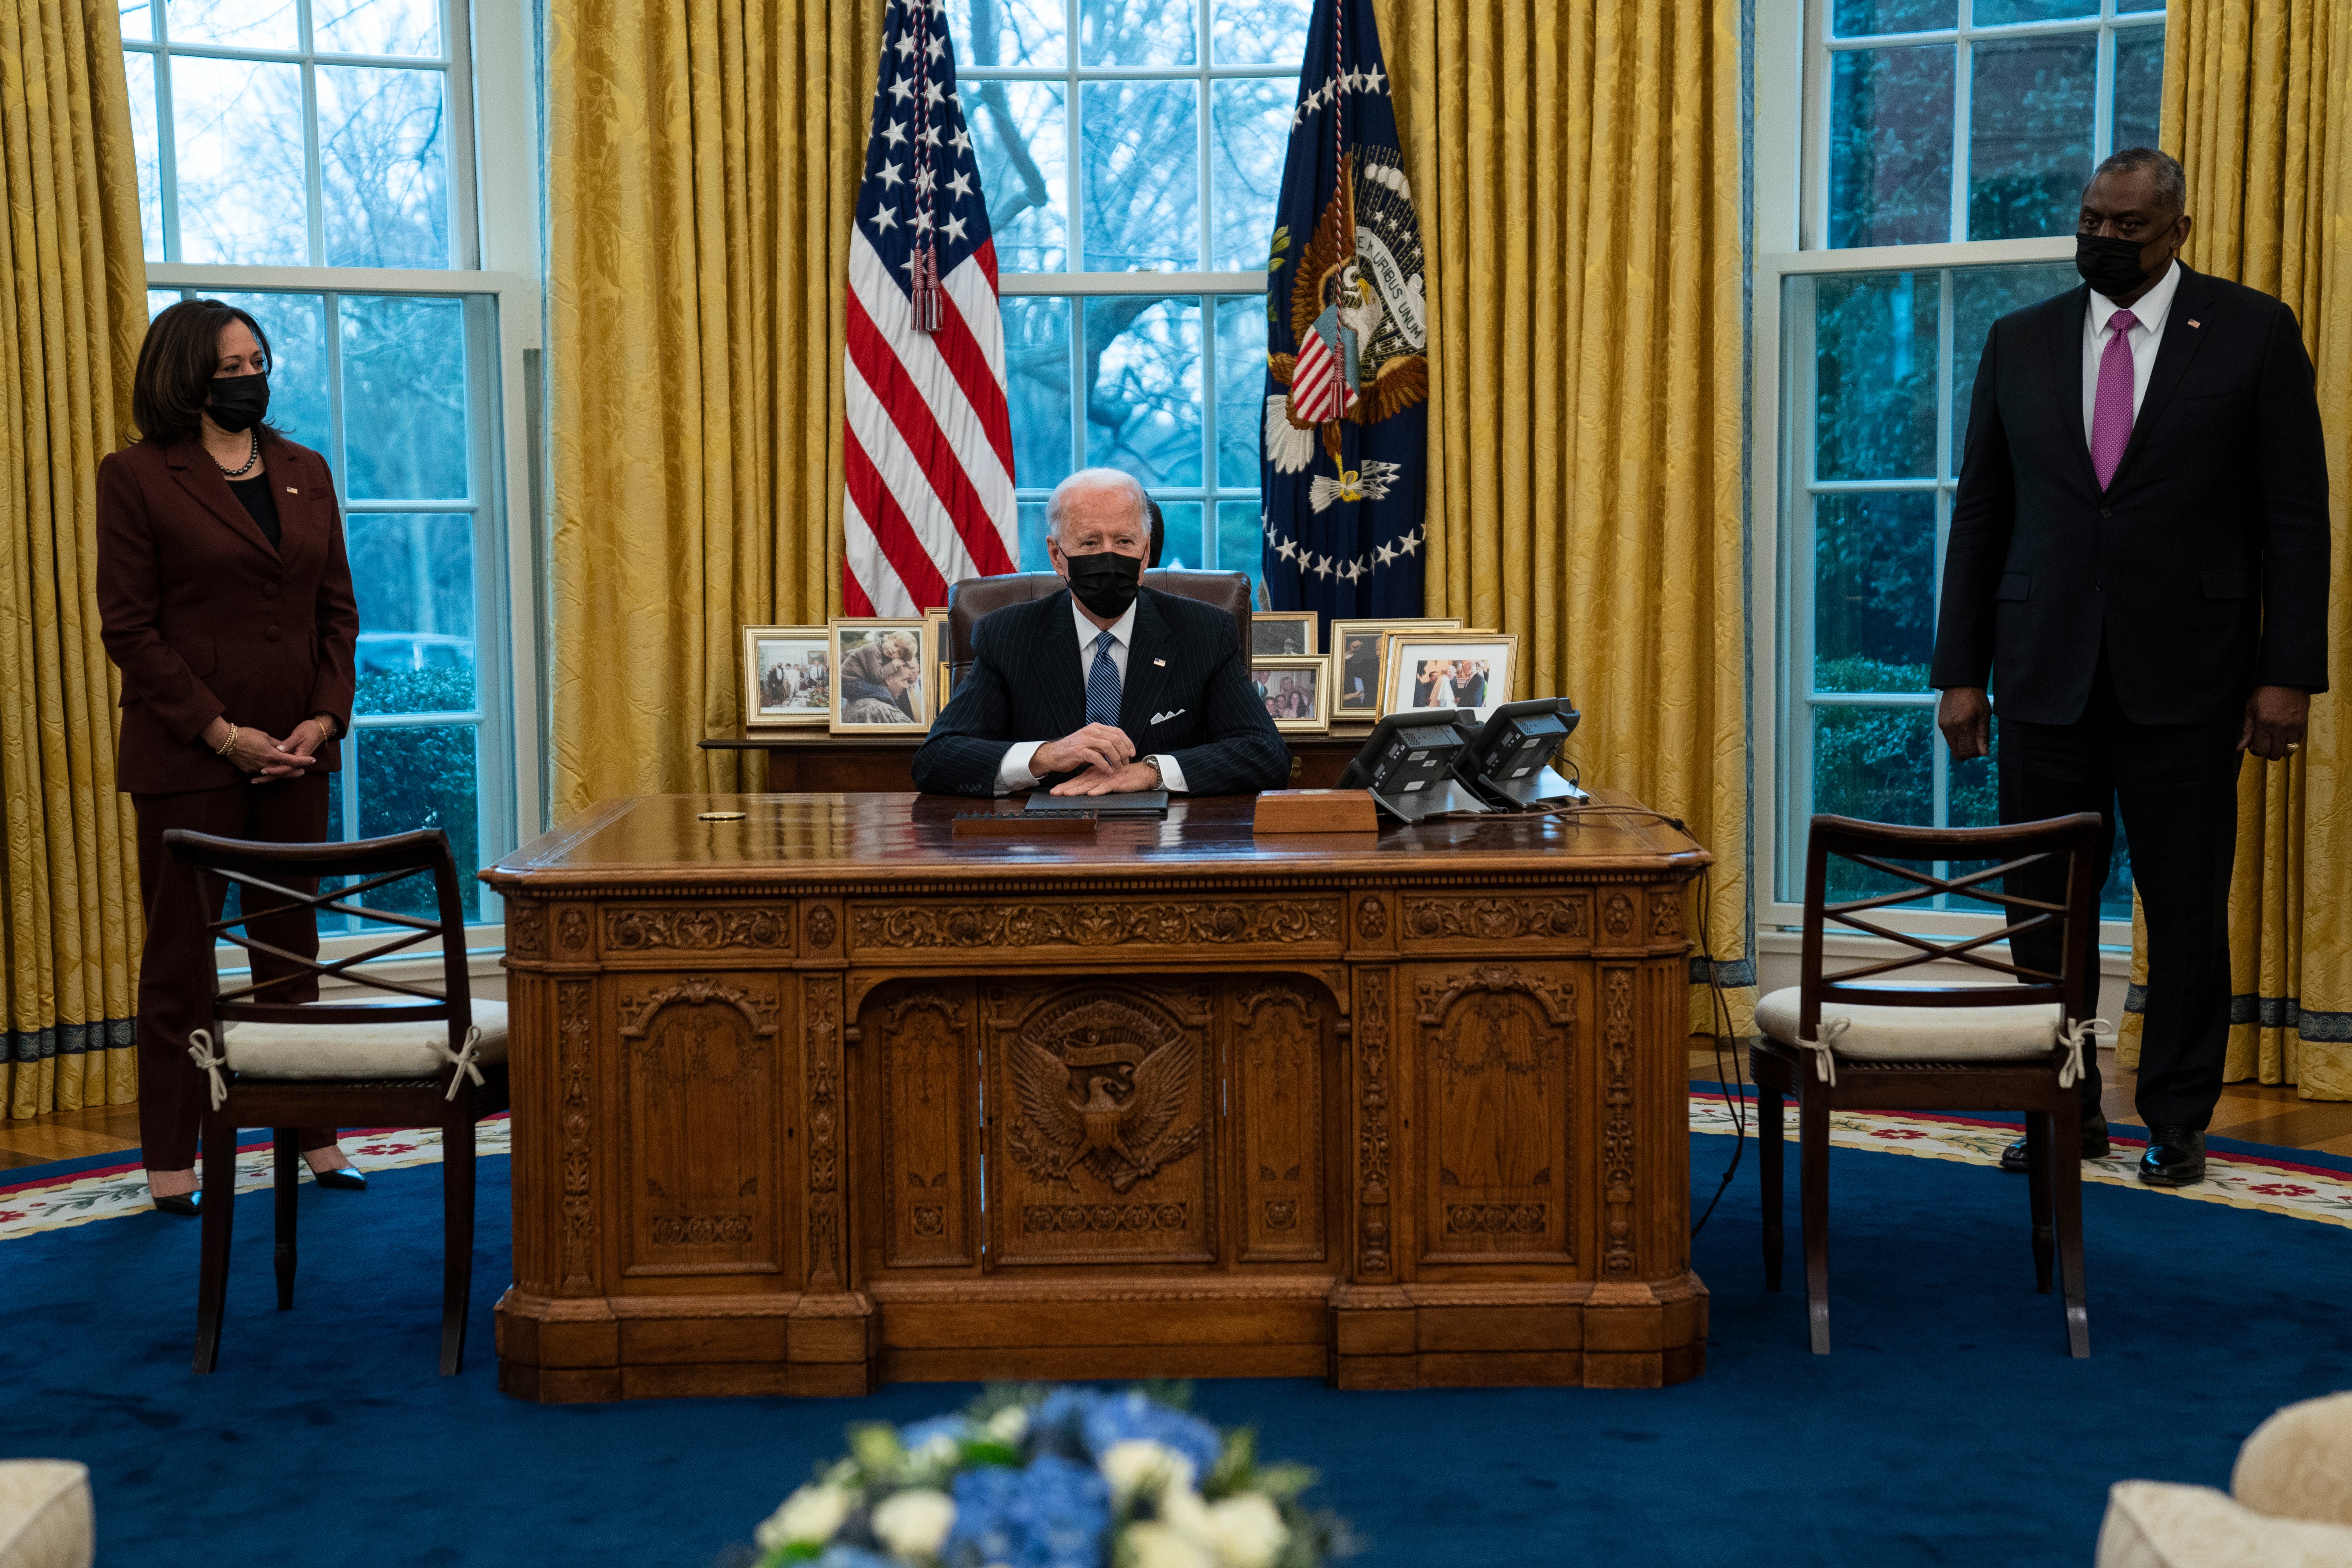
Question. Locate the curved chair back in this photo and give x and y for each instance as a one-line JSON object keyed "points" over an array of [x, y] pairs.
{"points": [[974, 597], [2058, 851], [260, 873]]}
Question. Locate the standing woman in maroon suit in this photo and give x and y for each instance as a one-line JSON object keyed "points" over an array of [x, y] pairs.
{"points": [[225, 598]]}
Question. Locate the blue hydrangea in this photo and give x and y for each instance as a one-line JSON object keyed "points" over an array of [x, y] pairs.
{"points": [[1122, 1417], [841, 1556], [922, 1432], [1052, 1514], [1057, 1423]]}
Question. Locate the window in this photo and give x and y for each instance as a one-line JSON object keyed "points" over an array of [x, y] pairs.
{"points": [[1132, 152], [1932, 165], [311, 161], [1974, 119]]}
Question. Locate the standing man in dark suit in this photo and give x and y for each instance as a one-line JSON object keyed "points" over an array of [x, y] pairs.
{"points": [[1107, 686], [2138, 560]]}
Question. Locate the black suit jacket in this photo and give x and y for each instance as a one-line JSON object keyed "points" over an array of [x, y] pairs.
{"points": [[1025, 685], [2201, 571]]}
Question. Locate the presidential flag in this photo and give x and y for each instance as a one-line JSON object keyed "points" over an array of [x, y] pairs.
{"points": [[1343, 461], [927, 439]]}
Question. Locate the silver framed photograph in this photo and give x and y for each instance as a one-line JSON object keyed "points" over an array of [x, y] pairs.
{"points": [[1276, 633], [787, 676], [1448, 669], [1355, 653], [1297, 691], [883, 677]]}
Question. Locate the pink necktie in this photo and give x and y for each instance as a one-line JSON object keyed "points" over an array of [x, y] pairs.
{"points": [[2111, 411]]}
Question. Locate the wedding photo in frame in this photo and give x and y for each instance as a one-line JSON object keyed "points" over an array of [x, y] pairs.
{"points": [[1448, 669], [787, 676], [1276, 633], [882, 675], [1297, 691], [1355, 652]]}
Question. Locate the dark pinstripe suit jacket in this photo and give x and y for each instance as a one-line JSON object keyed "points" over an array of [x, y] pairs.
{"points": [[1025, 685]]}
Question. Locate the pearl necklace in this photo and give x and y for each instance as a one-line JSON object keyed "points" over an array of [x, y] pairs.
{"points": [[247, 467]]}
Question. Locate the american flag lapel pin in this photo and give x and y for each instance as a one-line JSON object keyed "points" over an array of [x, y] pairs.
{"points": [[292, 491], [1160, 662], [2195, 322]]}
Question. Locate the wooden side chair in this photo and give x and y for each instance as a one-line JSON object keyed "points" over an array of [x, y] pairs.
{"points": [[1853, 1040], [425, 1059]]}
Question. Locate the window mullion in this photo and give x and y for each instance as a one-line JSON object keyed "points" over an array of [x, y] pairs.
{"points": [[2103, 102], [1963, 100], [167, 149], [316, 202]]}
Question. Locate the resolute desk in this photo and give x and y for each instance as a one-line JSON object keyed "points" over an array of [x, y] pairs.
{"points": [[829, 1097]]}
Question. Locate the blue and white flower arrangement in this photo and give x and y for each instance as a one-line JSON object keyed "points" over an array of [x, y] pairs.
{"points": [[1061, 1478]]}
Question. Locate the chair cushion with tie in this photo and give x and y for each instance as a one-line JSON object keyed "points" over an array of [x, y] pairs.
{"points": [[1862, 1032], [44, 1514], [359, 1050]]}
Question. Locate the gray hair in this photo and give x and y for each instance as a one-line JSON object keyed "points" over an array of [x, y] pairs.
{"points": [[2171, 181], [1095, 479]]}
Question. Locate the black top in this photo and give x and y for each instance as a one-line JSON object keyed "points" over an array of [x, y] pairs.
{"points": [[258, 503], [2198, 573]]}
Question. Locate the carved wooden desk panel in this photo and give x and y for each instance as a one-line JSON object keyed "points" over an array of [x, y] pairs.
{"points": [[824, 1097]]}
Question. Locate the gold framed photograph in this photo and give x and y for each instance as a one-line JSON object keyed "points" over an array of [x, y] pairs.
{"points": [[1355, 653], [786, 676], [1296, 689], [1448, 669], [880, 684], [1275, 634], [934, 649]]}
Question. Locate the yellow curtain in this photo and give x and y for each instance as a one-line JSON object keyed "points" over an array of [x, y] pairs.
{"points": [[703, 156], [2258, 108], [73, 312], [1577, 168]]}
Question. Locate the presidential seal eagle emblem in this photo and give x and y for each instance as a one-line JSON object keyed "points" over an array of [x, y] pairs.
{"points": [[1101, 1085], [1360, 315]]}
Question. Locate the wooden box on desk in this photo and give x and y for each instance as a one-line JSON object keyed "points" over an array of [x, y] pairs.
{"points": [[1316, 811]]}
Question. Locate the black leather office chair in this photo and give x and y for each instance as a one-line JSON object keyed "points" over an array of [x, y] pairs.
{"points": [[973, 597]]}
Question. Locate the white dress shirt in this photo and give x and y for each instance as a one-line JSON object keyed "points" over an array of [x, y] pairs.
{"points": [[1013, 773], [2149, 311]]}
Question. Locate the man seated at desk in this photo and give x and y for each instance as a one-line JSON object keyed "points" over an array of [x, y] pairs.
{"points": [[1107, 686]]}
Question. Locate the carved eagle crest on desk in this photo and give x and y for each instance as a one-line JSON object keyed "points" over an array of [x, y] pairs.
{"points": [[1100, 1084]]}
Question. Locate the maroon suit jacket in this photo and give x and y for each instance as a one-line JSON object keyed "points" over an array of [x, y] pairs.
{"points": [[206, 619]]}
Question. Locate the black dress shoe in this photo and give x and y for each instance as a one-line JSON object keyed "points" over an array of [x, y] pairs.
{"points": [[2095, 1144], [342, 1179], [184, 1204], [2175, 1157]]}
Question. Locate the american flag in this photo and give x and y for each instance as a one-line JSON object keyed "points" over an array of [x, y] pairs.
{"points": [[927, 441]]}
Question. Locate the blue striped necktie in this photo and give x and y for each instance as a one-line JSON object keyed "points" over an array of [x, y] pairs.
{"points": [[1102, 684]]}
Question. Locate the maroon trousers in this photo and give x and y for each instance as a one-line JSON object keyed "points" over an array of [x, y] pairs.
{"points": [[177, 975]]}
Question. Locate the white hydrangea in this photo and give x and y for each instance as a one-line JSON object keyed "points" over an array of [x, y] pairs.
{"points": [[936, 1456], [1138, 1464], [1247, 1531], [1151, 1544], [812, 1514], [1181, 1508], [915, 1522], [1009, 1425]]}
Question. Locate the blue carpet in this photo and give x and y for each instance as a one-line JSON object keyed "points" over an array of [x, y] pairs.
{"points": [[1951, 1425]]}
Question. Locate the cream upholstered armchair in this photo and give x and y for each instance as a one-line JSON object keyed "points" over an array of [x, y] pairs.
{"points": [[2289, 1503], [44, 1514]]}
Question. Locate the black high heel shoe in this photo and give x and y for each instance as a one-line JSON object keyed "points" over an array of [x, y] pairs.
{"points": [[341, 1179], [186, 1205]]}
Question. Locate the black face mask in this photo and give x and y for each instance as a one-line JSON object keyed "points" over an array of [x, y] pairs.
{"points": [[2109, 265], [238, 401], [1105, 582]]}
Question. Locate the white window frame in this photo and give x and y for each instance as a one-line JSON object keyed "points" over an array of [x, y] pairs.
{"points": [[496, 204], [1789, 212], [1078, 286]]}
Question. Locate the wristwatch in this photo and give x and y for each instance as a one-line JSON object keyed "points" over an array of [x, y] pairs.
{"points": [[1159, 780]]}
